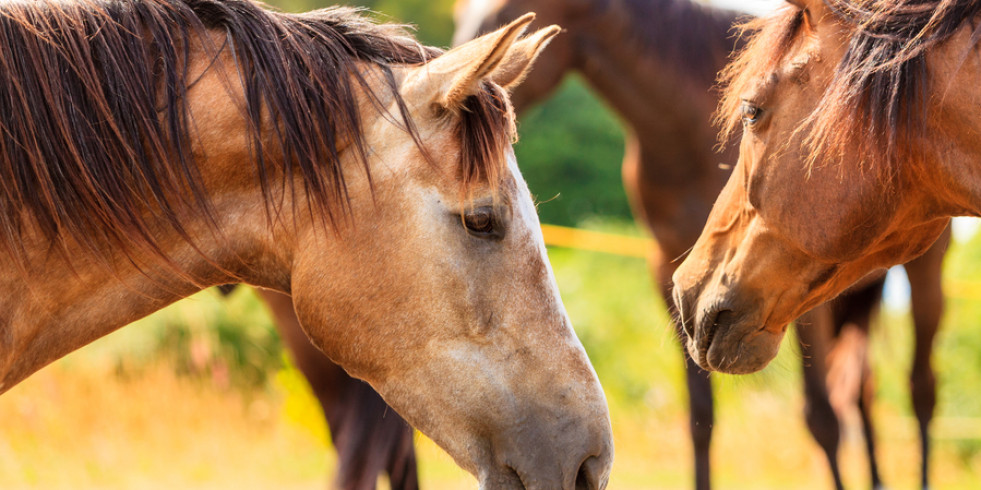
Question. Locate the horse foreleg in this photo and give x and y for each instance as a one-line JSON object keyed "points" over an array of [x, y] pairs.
{"points": [[700, 405], [814, 331], [699, 385], [927, 302], [370, 437], [853, 381]]}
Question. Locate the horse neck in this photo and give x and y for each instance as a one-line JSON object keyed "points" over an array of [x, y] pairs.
{"points": [[59, 301], [55, 304], [655, 64]]}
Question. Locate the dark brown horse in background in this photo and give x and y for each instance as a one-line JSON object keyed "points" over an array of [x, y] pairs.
{"points": [[655, 62]]}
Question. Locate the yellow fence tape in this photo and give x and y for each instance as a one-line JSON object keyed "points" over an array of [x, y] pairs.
{"points": [[629, 246], [595, 241]]}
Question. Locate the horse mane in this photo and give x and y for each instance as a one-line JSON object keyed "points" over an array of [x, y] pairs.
{"points": [[877, 95], [95, 143], [691, 36]]}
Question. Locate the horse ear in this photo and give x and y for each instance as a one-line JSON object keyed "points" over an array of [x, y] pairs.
{"points": [[517, 63], [457, 74]]}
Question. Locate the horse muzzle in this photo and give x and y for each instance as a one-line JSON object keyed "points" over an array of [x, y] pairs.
{"points": [[726, 332], [569, 455]]}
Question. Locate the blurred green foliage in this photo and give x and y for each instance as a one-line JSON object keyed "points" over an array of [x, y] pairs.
{"points": [[230, 342], [433, 19], [240, 348], [958, 348], [569, 151]]}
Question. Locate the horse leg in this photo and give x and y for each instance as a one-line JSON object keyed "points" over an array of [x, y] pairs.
{"points": [[699, 384], [852, 379], [814, 330], [864, 409], [369, 436], [927, 303], [862, 307], [700, 405]]}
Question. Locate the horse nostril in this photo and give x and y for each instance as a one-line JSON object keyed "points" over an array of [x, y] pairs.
{"points": [[588, 478], [721, 320], [724, 318]]}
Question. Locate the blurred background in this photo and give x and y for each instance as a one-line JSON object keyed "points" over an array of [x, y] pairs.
{"points": [[202, 395]]}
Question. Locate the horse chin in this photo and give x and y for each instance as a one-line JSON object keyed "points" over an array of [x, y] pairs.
{"points": [[593, 475], [505, 478], [731, 346], [742, 352]]}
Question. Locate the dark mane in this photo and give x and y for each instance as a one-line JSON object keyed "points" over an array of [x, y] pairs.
{"points": [[94, 126], [692, 36], [877, 96]]}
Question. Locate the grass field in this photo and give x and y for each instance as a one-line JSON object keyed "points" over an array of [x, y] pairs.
{"points": [[132, 411]]}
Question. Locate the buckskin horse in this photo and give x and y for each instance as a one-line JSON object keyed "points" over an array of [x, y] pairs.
{"points": [[655, 62], [152, 148], [858, 142]]}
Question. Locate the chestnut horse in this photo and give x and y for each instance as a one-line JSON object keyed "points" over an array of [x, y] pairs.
{"points": [[868, 106], [856, 150], [655, 63], [152, 148]]}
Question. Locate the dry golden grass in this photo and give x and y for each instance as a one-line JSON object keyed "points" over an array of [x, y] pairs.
{"points": [[71, 426], [77, 424]]}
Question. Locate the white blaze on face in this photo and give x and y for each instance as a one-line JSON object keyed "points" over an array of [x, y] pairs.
{"points": [[468, 15], [528, 217], [527, 214], [523, 204]]}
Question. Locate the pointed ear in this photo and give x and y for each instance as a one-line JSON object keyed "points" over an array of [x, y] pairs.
{"points": [[517, 63], [457, 74]]}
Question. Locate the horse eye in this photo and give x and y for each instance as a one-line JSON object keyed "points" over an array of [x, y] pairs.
{"points": [[480, 222], [750, 112]]}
